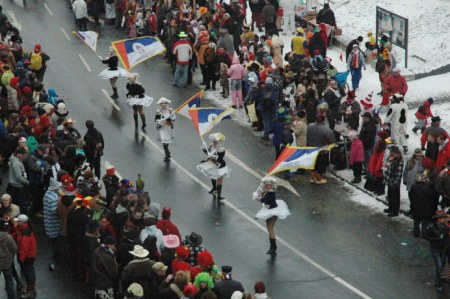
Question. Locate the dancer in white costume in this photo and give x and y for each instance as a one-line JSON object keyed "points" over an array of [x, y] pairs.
{"points": [[164, 118], [113, 72], [215, 166], [137, 99], [272, 208]]}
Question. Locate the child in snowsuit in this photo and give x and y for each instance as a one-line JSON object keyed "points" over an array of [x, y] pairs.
{"points": [[422, 115], [224, 80]]}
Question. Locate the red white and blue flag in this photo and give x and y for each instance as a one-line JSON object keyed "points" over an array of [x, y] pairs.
{"points": [[131, 52], [193, 102], [294, 157], [89, 38], [204, 119]]}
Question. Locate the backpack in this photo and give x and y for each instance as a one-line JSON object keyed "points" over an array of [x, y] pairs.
{"points": [[36, 62]]}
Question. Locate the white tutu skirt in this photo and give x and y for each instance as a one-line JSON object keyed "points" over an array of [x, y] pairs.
{"points": [[212, 171], [146, 101], [108, 74], [165, 134], [282, 211]]}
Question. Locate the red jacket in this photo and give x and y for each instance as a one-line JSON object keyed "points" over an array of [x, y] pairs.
{"points": [[443, 156], [356, 152], [396, 84], [168, 228], [26, 243], [375, 164]]}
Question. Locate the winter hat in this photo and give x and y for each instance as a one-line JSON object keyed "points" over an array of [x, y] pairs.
{"points": [[67, 179], [367, 102], [166, 213], [351, 94], [21, 218], [37, 48], [61, 108], [182, 252], [190, 290], [110, 240], [54, 185], [429, 101], [135, 290], [110, 170], [205, 259], [251, 56], [171, 241], [13, 81], [268, 81], [237, 295], [27, 90]]}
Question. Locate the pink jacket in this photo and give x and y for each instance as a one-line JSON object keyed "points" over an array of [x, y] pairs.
{"points": [[236, 70], [356, 151]]}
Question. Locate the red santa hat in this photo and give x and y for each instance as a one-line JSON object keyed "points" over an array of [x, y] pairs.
{"points": [[367, 102]]}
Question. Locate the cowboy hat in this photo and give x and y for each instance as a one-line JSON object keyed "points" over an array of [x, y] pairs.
{"points": [[171, 241], [139, 251], [182, 34]]}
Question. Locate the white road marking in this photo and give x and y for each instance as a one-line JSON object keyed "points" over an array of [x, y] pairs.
{"points": [[14, 20], [107, 164], [85, 63], [48, 9], [65, 33], [111, 100], [250, 170], [263, 228], [158, 148]]}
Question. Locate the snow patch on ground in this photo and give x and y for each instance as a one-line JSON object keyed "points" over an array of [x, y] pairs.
{"points": [[428, 27]]}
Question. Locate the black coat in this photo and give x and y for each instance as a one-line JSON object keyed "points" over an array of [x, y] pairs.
{"points": [[326, 15], [424, 201], [140, 271], [112, 63], [317, 43], [94, 143], [225, 288], [368, 133]]}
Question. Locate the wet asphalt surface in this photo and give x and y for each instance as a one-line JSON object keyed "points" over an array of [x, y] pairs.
{"points": [[352, 245]]}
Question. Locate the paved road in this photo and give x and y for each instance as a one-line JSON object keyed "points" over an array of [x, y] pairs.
{"points": [[330, 246]]}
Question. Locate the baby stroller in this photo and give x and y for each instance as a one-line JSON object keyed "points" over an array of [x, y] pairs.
{"points": [[341, 80]]}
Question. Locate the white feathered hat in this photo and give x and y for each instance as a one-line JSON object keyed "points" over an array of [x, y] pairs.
{"points": [[217, 137], [269, 180], [163, 101]]}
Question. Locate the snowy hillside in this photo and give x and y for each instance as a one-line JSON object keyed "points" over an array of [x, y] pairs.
{"points": [[428, 27]]}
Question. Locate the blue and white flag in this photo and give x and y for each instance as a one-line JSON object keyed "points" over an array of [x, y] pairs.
{"points": [[294, 157], [131, 52], [193, 102], [89, 38], [204, 119]]}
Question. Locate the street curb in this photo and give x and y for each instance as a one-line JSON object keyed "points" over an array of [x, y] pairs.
{"points": [[365, 191]]}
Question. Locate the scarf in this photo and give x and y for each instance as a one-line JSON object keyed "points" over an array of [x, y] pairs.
{"points": [[355, 60]]}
